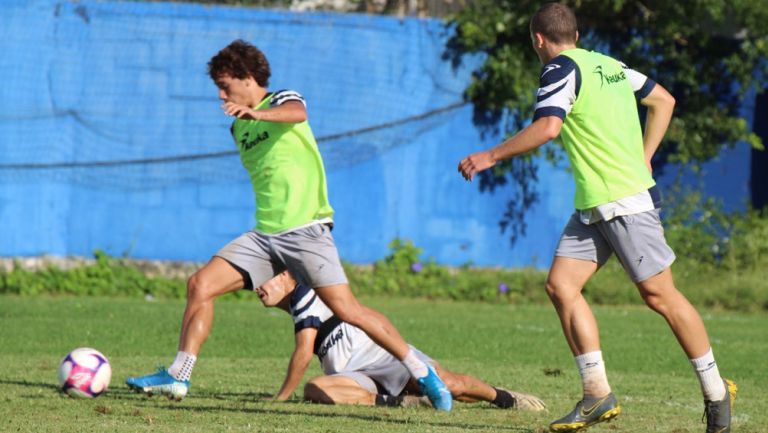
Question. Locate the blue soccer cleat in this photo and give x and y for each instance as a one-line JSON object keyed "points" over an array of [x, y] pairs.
{"points": [[434, 388], [160, 382]]}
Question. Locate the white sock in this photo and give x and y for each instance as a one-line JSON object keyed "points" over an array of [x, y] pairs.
{"points": [[592, 371], [415, 366], [181, 369], [712, 385]]}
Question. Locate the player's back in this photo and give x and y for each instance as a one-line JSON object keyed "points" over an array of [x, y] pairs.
{"points": [[602, 133]]}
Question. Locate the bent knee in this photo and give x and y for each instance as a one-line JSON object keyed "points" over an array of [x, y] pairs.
{"points": [[653, 302], [200, 288], [663, 304], [453, 382], [551, 289], [561, 293], [315, 392], [456, 387]]}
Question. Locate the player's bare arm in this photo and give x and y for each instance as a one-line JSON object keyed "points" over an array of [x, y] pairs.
{"points": [[660, 105], [288, 112], [534, 135], [300, 359]]}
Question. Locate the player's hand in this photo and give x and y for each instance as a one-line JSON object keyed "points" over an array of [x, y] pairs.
{"points": [[475, 163], [239, 111]]}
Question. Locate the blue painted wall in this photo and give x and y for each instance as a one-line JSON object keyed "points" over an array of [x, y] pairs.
{"points": [[89, 81]]}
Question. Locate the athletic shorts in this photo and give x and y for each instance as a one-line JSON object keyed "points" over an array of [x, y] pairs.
{"points": [[308, 253], [387, 376], [637, 239]]}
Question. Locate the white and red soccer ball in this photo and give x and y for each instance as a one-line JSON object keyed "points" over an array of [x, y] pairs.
{"points": [[84, 373]]}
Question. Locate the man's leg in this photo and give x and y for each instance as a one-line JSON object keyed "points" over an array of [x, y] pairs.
{"points": [[213, 280], [471, 389], [216, 278], [345, 306], [338, 390], [640, 244], [565, 282], [466, 388], [661, 295]]}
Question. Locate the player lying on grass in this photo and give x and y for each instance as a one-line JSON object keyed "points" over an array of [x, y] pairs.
{"points": [[357, 370]]}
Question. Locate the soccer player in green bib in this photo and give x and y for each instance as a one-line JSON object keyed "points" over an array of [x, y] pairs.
{"points": [[293, 226], [588, 100]]}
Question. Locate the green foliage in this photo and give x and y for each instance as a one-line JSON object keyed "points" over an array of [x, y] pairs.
{"points": [[404, 273], [697, 49], [107, 276], [702, 232], [707, 53], [721, 263], [721, 260]]}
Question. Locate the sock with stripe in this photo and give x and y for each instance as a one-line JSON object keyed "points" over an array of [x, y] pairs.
{"points": [[712, 385]]}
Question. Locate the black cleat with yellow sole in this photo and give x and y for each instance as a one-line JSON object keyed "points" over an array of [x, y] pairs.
{"points": [[588, 411], [718, 413]]}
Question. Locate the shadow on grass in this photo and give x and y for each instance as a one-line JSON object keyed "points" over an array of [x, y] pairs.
{"points": [[368, 418], [30, 384], [118, 391], [121, 393], [54, 388]]}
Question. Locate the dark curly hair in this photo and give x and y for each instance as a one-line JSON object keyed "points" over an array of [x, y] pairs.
{"points": [[240, 60]]}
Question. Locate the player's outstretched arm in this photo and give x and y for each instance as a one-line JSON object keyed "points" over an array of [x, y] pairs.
{"points": [[660, 107], [287, 112], [532, 136], [302, 356]]}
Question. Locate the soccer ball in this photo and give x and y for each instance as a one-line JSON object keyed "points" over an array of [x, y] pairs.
{"points": [[84, 373]]}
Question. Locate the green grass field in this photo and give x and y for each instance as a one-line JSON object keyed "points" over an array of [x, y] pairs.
{"points": [[518, 347]]}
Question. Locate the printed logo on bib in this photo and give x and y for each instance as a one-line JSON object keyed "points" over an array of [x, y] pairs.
{"points": [[329, 343], [609, 79], [247, 144]]}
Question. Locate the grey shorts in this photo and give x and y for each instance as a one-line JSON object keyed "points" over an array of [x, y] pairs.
{"points": [[638, 241], [388, 376], [308, 253]]}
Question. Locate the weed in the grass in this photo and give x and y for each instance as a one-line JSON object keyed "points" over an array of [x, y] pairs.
{"points": [[243, 363]]}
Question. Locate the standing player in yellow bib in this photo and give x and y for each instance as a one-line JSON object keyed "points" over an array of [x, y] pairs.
{"points": [[588, 100], [293, 226]]}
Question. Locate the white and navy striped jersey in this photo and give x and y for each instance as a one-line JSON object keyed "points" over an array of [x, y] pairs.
{"points": [[339, 345], [282, 96], [560, 82], [307, 310]]}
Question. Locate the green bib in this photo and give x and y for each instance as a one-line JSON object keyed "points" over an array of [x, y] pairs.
{"points": [[286, 172], [602, 133]]}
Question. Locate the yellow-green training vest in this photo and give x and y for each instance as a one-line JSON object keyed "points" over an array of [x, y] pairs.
{"points": [[286, 171], [602, 133]]}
